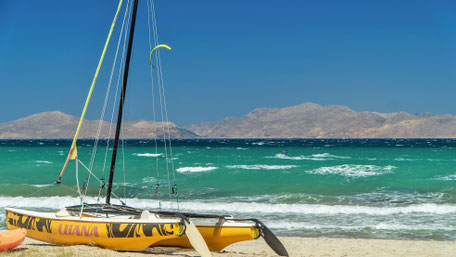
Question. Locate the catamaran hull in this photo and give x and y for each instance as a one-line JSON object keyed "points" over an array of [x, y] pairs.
{"points": [[124, 234], [217, 237], [121, 234]]}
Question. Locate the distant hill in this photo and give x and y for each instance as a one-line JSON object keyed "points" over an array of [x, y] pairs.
{"points": [[308, 120], [311, 120], [58, 125]]}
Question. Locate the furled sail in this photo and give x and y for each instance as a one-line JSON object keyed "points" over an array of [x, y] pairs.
{"points": [[73, 154]]}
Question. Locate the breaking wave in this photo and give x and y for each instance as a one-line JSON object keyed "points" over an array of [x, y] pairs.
{"points": [[313, 157], [447, 178], [147, 154], [261, 167], [405, 159], [353, 170], [42, 185], [354, 228], [58, 202], [195, 169], [43, 162]]}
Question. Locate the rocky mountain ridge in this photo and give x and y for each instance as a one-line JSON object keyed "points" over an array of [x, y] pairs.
{"points": [[59, 125], [311, 120]]}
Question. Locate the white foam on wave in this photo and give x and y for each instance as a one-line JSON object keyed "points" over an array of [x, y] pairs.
{"points": [[258, 143], [43, 162], [124, 184], [434, 160], [313, 157], [147, 154], [261, 167], [244, 207], [2, 218], [282, 225], [54, 202], [387, 226], [447, 178], [334, 227], [241, 148], [149, 180], [58, 202], [405, 159], [287, 157], [42, 185], [195, 169], [327, 155], [353, 170]]}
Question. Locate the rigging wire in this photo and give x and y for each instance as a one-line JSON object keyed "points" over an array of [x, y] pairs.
{"points": [[157, 188], [156, 42], [33, 193], [164, 113], [99, 180], [122, 136], [125, 24], [169, 159], [101, 120]]}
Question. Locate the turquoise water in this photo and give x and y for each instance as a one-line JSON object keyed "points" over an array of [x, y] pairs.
{"points": [[375, 188]]}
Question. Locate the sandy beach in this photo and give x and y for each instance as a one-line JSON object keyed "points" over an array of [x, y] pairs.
{"points": [[296, 246]]}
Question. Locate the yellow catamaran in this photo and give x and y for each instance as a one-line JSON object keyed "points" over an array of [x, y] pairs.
{"points": [[126, 228]]}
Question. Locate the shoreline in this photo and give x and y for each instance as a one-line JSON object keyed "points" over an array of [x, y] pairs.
{"points": [[296, 246]]}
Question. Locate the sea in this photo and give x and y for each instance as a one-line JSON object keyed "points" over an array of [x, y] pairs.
{"points": [[337, 188]]}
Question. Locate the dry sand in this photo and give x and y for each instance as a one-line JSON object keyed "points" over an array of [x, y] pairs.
{"points": [[296, 246]]}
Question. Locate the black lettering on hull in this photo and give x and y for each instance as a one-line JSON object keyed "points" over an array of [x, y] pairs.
{"points": [[133, 230], [29, 222]]}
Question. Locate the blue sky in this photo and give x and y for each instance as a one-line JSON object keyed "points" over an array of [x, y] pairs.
{"points": [[230, 57]]}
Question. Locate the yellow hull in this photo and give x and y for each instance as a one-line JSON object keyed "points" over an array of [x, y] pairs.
{"points": [[217, 237], [119, 234]]}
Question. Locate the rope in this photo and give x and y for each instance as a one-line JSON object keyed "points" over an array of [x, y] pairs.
{"points": [[161, 100], [33, 193], [90, 172], [100, 123], [122, 134], [157, 188], [164, 111], [124, 25], [77, 179], [99, 180], [159, 82]]}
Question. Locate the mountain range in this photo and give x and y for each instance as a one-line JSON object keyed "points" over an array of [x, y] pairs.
{"points": [[308, 120], [59, 125], [311, 120]]}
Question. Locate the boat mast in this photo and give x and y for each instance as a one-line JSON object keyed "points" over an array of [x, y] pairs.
{"points": [[121, 103]]}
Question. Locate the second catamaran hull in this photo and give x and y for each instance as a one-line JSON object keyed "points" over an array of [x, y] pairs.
{"points": [[217, 237], [113, 233]]}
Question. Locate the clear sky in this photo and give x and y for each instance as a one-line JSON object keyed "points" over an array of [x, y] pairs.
{"points": [[230, 57]]}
